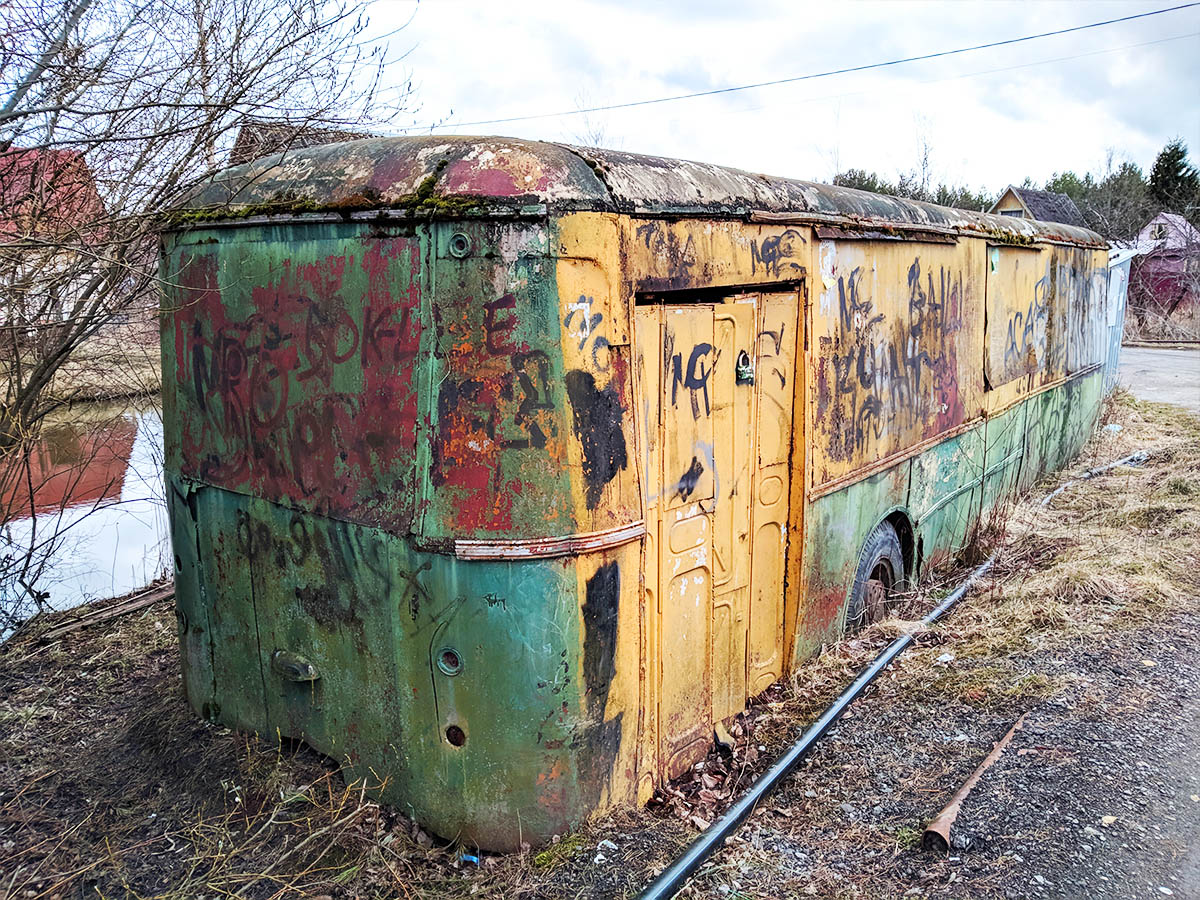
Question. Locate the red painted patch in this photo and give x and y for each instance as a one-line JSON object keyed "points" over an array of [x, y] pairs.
{"points": [[310, 399]]}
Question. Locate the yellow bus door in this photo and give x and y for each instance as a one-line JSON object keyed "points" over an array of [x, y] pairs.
{"points": [[774, 373], [715, 383], [735, 327], [685, 535]]}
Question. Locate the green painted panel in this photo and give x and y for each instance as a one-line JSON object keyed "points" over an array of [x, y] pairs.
{"points": [[191, 604], [499, 410], [1005, 450], [288, 364], [1059, 422], [944, 494], [224, 576], [835, 528], [406, 646]]}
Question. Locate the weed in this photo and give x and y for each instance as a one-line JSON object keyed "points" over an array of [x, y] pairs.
{"points": [[556, 853], [907, 838]]}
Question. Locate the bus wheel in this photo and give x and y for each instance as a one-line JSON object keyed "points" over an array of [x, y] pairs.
{"points": [[879, 578]]}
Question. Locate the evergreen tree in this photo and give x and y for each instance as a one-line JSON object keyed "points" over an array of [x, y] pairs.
{"points": [[1174, 182]]}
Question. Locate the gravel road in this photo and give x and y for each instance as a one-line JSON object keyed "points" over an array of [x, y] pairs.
{"points": [[1163, 376]]}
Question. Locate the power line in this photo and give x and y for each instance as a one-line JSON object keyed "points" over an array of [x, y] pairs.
{"points": [[809, 77], [965, 75]]}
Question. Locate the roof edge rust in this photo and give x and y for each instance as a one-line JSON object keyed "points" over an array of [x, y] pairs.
{"points": [[451, 177]]}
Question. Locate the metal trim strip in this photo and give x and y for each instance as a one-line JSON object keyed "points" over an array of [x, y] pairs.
{"points": [[545, 548], [880, 465], [953, 495]]}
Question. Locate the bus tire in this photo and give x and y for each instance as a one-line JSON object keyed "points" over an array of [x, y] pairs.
{"points": [[880, 576]]}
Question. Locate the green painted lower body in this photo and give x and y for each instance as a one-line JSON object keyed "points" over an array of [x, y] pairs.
{"points": [[449, 686], [946, 493]]}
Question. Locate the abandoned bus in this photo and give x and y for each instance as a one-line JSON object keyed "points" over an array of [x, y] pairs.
{"points": [[504, 471]]}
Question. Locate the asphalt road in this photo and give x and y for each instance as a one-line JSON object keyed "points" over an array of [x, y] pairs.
{"points": [[1165, 376]]}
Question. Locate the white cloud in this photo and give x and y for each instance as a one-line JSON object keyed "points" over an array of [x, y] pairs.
{"points": [[991, 116]]}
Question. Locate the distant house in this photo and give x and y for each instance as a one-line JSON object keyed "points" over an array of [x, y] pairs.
{"points": [[260, 138], [51, 216], [47, 195], [1164, 282], [1045, 206]]}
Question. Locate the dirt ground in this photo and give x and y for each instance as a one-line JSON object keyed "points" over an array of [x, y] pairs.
{"points": [[110, 787]]}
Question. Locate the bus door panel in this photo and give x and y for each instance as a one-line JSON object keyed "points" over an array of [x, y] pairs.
{"points": [[774, 373], [735, 327], [685, 536], [648, 390]]}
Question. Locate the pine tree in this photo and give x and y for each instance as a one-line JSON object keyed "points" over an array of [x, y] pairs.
{"points": [[1174, 182]]}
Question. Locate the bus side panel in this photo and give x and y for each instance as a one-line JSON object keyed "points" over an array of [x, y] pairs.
{"points": [[1060, 421], [836, 525], [191, 603], [945, 494], [1084, 411], [1043, 436], [1005, 450], [897, 329], [290, 366]]}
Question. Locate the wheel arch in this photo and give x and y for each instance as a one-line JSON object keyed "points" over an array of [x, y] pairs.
{"points": [[900, 519]]}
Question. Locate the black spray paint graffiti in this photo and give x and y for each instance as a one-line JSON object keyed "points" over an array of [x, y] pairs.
{"points": [[779, 255], [601, 607], [693, 375], [1058, 327], [688, 481], [350, 561], [772, 357], [678, 257], [598, 417], [587, 329], [531, 373], [883, 383]]}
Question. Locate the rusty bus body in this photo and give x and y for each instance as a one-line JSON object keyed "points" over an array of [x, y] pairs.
{"points": [[503, 470]]}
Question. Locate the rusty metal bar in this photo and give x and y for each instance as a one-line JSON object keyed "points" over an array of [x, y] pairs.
{"points": [[937, 832], [544, 548]]}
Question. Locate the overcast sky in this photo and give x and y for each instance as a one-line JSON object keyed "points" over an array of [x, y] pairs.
{"points": [[990, 117]]}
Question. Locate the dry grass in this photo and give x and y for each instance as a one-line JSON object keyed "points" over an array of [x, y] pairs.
{"points": [[110, 787]]}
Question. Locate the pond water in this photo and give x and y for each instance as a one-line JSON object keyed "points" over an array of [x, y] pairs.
{"points": [[87, 518]]}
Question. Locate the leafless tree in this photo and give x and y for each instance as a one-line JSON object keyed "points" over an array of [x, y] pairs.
{"points": [[591, 129], [115, 109]]}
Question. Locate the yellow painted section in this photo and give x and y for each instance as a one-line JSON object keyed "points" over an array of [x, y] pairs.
{"points": [[685, 534], [1045, 318], [863, 353], [1015, 338], [775, 373], [717, 451], [896, 339], [665, 256], [594, 317], [733, 423], [648, 388]]}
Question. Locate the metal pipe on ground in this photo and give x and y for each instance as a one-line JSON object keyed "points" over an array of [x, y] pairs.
{"points": [[937, 832], [673, 877]]}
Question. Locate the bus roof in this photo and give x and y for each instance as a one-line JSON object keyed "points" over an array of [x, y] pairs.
{"points": [[435, 175]]}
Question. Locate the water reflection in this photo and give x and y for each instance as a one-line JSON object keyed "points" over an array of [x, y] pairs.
{"points": [[87, 518]]}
